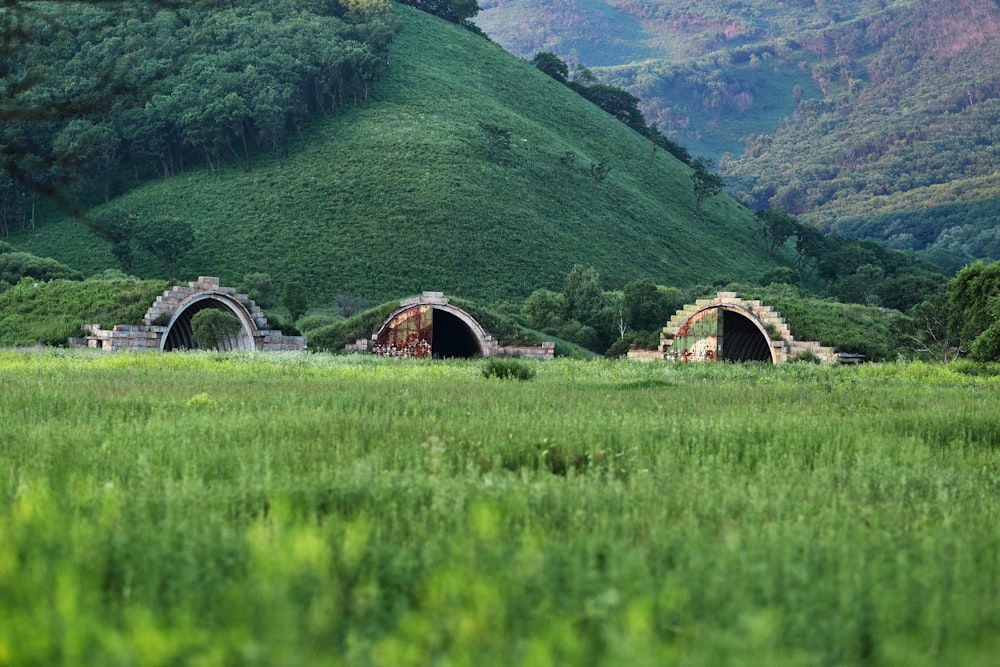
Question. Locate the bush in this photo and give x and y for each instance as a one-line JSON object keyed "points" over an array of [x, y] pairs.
{"points": [[805, 357], [17, 265], [508, 369], [212, 327], [259, 288]]}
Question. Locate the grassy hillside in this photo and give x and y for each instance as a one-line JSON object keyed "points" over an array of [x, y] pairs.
{"points": [[49, 313], [873, 119], [406, 195]]}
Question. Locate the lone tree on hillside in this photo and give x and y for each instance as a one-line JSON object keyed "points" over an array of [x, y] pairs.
{"points": [[293, 298], [707, 183], [167, 239]]}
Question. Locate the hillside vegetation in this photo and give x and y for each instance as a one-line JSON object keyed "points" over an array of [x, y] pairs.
{"points": [[871, 119], [414, 191]]}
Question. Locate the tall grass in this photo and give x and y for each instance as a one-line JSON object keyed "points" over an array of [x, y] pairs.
{"points": [[307, 509]]}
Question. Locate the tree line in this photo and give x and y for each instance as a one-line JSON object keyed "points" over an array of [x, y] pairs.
{"points": [[95, 96], [618, 102]]}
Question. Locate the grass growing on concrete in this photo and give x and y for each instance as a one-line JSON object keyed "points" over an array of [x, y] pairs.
{"points": [[310, 509]]}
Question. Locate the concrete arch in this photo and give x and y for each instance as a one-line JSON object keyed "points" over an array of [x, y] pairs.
{"points": [[179, 336], [429, 326], [724, 333], [729, 328], [168, 323], [726, 328]]}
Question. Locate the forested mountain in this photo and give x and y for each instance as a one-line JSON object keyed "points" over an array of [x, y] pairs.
{"points": [[448, 165], [88, 88], [875, 118]]}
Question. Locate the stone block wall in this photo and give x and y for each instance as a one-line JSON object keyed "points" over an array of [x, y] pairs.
{"points": [[149, 336]]}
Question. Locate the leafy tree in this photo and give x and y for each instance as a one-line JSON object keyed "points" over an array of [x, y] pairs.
{"points": [[293, 298], [117, 228], [776, 227], [933, 333], [783, 275], [644, 305], [863, 286], [543, 309], [707, 183], [259, 288], [17, 265], [810, 244], [975, 310], [167, 239], [582, 294], [552, 65], [618, 102], [212, 327]]}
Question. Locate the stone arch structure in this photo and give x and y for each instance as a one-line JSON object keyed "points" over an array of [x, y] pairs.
{"points": [[168, 322], [179, 335], [728, 328], [430, 326]]}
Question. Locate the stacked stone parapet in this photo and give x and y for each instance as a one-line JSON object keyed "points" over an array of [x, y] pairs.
{"points": [[123, 337], [168, 304], [275, 341], [547, 350]]}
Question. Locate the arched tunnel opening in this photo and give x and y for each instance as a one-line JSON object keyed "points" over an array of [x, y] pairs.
{"points": [[424, 331], [742, 341], [453, 338], [181, 337]]}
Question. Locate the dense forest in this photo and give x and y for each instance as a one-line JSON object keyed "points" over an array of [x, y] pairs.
{"points": [[874, 118], [100, 96]]}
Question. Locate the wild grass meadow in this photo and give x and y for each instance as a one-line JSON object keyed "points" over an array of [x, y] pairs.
{"points": [[235, 509]]}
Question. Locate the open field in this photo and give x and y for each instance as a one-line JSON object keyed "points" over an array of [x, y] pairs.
{"points": [[208, 509]]}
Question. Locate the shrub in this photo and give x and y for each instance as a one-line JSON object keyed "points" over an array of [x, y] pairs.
{"points": [[508, 369], [212, 327], [806, 357]]}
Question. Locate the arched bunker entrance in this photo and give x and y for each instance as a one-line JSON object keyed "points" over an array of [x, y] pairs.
{"points": [[728, 328], [428, 326], [722, 333], [179, 335], [168, 323]]}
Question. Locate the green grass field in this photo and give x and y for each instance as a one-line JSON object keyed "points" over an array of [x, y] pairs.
{"points": [[209, 509]]}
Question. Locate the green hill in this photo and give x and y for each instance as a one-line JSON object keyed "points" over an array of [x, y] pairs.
{"points": [[418, 190]]}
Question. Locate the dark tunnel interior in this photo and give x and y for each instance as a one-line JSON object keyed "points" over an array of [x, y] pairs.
{"points": [[453, 338], [741, 339]]}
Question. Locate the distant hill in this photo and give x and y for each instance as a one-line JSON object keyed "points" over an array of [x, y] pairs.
{"points": [[872, 119], [468, 172]]}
